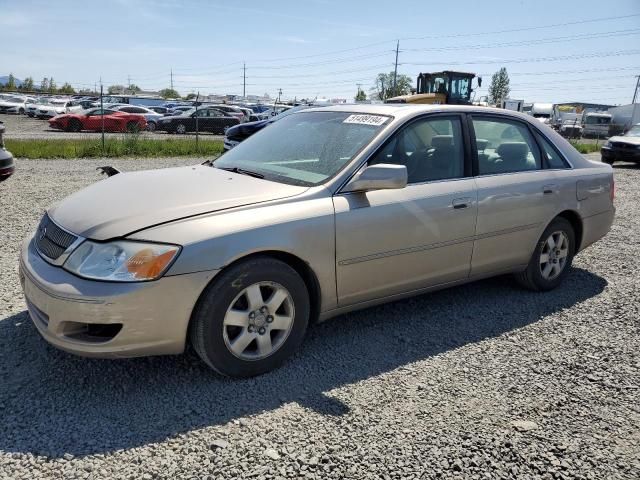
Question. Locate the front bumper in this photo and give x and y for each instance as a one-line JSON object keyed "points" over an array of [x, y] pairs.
{"points": [[621, 154], [108, 319]]}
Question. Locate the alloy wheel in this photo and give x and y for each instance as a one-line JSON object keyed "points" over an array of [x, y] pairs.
{"points": [[258, 321], [553, 257]]}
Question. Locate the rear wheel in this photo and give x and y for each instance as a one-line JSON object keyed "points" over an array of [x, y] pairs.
{"points": [[551, 259], [151, 126], [251, 319], [74, 125], [133, 127]]}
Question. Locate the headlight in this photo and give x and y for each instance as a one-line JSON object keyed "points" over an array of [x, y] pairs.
{"points": [[121, 261], [607, 144]]}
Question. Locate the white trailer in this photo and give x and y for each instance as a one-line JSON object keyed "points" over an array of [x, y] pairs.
{"points": [[542, 111], [624, 117]]}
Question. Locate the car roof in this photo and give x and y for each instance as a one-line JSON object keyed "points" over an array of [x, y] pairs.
{"points": [[400, 110]]}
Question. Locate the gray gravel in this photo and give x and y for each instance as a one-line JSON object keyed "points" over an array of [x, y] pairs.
{"points": [[477, 382], [23, 127]]}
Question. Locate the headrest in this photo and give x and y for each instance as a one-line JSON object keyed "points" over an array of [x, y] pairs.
{"points": [[440, 141], [481, 143], [513, 150]]}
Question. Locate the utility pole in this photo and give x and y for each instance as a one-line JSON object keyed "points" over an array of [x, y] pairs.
{"points": [[279, 95], [244, 80], [129, 82], [635, 92], [172, 79], [395, 70]]}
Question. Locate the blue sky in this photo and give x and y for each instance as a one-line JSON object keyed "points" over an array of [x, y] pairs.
{"points": [[325, 47]]}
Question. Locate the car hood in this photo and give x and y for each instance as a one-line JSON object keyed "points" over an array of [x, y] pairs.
{"points": [[625, 139], [132, 201]]}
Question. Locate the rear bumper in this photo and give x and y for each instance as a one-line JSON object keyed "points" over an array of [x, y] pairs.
{"points": [[596, 227], [103, 319]]}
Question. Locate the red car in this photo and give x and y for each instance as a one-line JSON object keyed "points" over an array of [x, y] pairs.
{"points": [[92, 120]]}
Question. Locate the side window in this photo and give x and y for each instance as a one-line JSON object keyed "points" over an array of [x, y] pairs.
{"points": [[203, 113], [504, 146], [550, 154], [128, 110], [431, 149]]}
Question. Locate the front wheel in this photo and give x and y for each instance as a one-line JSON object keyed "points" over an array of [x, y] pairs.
{"points": [[251, 319], [151, 126], [608, 160], [181, 129], [552, 257]]}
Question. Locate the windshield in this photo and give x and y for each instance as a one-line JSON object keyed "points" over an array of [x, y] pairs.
{"points": [[634, 132], [306, 148]]}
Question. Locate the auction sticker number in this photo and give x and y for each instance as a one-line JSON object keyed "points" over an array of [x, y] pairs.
{"points": [[375, 120]]}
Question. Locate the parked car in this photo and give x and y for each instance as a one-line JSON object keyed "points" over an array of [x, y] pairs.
{"points": [[570, 129], [210, 119], [328, 210], [93, 120], [233, 111], [151, 116], [7, 163], [32, 106], [625, 148], [161, 110], [14, 104], [234, 135], [178, 110], [57, 107]]}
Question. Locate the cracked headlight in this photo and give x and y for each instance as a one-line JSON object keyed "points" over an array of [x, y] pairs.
{"points": [[121, 261]]}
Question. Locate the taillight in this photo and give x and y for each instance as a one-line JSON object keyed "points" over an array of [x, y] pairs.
{"points": [[612, 191]]}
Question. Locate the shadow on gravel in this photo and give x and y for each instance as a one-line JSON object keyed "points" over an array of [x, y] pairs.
{"points": [[53, 403]]}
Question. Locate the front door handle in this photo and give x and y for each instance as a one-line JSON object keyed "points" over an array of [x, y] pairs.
{"points": [[547, 189], [459, 203]]}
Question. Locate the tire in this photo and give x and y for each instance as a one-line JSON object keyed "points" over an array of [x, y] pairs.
{"points": [[225, 314], [21, 111], [181, 129], [151, 126], [74, 125], [534, 277], [608, 161], [132, 127]]}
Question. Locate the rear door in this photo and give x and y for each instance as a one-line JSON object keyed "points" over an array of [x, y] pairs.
{"points": [[391, 242], [517, 197]]}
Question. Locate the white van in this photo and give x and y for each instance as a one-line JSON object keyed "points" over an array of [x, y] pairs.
{"points": [[596, 124]]}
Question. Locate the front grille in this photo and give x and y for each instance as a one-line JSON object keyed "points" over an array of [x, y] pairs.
{"points": [[51, 240]]}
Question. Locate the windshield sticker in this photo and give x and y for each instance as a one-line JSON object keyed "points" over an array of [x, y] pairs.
{"points": [[375, 120]]}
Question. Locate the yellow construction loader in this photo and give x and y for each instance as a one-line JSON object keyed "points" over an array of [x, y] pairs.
{"points": [[447, 87]]}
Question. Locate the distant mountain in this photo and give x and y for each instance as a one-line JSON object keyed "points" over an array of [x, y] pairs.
{"points": [[5, 79]]}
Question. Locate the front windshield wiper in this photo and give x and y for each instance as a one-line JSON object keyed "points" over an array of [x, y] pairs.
{"points": [[242, 171]]}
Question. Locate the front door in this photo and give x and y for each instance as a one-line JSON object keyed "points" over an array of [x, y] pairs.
{"points": [[394, 241]]}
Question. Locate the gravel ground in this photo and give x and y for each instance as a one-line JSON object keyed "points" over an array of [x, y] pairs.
{"points": [[481, 381], [23, 127]]}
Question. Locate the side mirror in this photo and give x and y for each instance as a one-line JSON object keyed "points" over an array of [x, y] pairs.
{"points": [[383, 176], [479, 81]]}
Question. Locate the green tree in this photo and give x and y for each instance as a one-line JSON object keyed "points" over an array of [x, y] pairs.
{"points": [[169, 93], [27, 84], [67, 89], [383, 87], [133, 88], [190, 96], [361, 96], [115, 89], [499, 88], [53, 88], [44, 84], [11, 83]]}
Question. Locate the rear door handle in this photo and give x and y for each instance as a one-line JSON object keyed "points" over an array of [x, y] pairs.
{"points": [[459, 203], [547, 189]]}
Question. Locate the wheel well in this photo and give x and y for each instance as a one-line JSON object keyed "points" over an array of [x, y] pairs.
{"points": [[302, 268], [576, 222]]}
